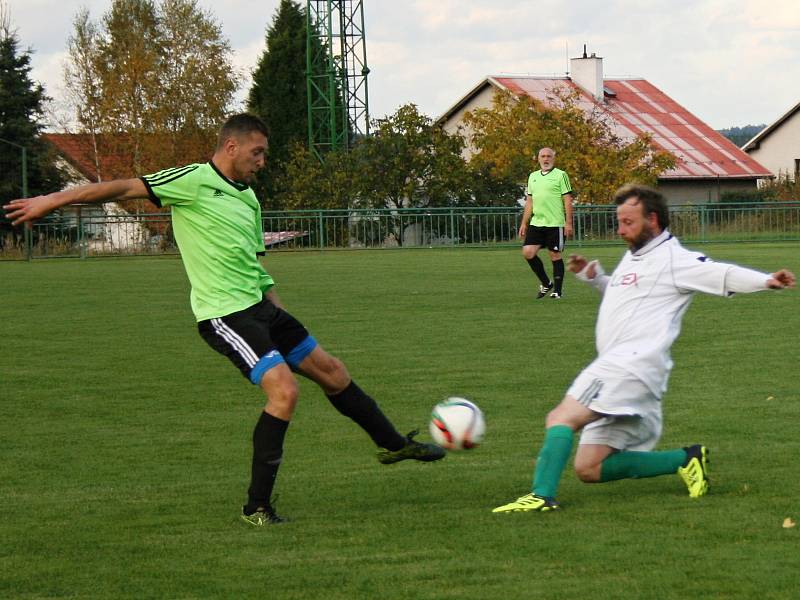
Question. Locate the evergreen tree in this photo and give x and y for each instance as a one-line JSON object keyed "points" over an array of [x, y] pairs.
{"points": [[22, 122], [278, 94], [741, 135]]}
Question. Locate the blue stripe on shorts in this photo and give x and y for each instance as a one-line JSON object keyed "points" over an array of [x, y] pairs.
{"points": [[271, 359], [299, 352]]}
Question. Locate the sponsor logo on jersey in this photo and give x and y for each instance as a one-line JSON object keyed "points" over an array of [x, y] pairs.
{"points": [[218, 194], [625, 279]]}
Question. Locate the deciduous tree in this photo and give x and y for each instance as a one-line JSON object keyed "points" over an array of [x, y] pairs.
{"points": [[408, 161], [305, 183], [507, 137], [151, 82], [196, 77]]}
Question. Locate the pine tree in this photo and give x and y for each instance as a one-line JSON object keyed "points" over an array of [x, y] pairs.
{"points": [[278, 94], [22, 105]]}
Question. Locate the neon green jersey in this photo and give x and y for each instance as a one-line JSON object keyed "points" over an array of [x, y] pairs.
{"points": [[217, 224], [547, 191]]}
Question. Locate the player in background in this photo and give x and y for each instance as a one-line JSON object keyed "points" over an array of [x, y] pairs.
{"points": [[546, 221], [217, 223], [616, 400]]}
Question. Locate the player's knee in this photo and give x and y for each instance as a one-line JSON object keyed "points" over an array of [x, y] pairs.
{"points": [[587, 472], [558, 416], [340, 377], [528, 252], [335, 376], [333, 366], [282, 395]]}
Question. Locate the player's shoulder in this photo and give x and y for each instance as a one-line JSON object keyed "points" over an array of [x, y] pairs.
{"points": [[562, 175], [683, 255], [172, 174]]}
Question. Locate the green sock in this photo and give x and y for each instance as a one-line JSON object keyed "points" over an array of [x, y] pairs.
{"points": [[635, 465], [551, 461]]}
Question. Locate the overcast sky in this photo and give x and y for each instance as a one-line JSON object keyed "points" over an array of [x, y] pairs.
{"points": [[730, 62]]}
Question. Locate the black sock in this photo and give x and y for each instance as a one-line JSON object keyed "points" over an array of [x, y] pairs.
{"points": [[354, 403], [558, 274], [537, 266], [267, 455]]}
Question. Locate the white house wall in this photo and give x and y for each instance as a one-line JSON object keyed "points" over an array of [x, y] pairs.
{"points": [[110, 227], [455, 123], [779, 150]]}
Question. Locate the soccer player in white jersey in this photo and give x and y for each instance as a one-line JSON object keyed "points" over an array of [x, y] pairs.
{"points": [[616, 401]]}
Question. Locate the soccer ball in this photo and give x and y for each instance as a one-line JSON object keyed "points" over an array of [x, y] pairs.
{"points": [[457, 424]]}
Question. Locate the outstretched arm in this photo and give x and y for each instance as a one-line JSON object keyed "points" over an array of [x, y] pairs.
{"points": [[30, 209], [589, 272], [741, 280], [782, 279], [695, 272]]}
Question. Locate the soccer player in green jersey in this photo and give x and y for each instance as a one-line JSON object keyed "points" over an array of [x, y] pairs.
{"points": [[217, 223], [546, 221]]}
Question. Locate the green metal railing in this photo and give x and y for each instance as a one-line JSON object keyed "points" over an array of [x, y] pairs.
{"points": [[82, 234]]}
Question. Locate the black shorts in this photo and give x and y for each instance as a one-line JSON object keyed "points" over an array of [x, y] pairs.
{"points": [[258, 338], [551, 238]]}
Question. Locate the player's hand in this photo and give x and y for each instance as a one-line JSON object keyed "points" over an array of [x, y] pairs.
{"points": [[782, 279], [568, 231], [27, 209], [523, 229], [577, 263]]}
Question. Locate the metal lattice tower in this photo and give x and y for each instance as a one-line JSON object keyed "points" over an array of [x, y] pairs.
{"points": [[336, 74]]}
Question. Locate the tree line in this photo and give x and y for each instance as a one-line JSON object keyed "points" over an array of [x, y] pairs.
{"points": [[150, 81]]}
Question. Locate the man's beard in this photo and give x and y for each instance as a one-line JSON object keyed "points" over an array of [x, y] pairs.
{"points": [[641, 240]]}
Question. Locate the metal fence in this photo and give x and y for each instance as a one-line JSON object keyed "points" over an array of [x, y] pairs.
{"points": [[82, 234]]}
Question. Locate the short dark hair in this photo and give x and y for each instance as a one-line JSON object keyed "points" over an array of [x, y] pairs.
{"points": [[652, 201], [239, 125]]}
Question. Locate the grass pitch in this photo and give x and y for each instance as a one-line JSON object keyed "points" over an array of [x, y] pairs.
{"points": [[125, 440]]}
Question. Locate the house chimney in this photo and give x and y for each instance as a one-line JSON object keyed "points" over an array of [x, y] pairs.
{"points": [[587, 72]]}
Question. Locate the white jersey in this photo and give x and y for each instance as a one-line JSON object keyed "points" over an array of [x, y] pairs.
{"points": [[645, 299]]}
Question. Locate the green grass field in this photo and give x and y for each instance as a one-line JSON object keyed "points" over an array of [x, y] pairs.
{"points": [[125, 440]]}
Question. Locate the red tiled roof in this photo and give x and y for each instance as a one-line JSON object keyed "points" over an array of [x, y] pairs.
{"points": [[636, 107], [78, 150], [114, 162]]}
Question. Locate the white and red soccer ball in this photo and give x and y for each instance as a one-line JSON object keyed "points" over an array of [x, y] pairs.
{"points": [[457, 424]]}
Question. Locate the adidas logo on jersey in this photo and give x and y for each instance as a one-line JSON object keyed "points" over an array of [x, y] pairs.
{"points": [[218, 194]]}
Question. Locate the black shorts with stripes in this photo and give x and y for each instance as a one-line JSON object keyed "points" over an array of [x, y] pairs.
{"points": [[551, 238], [249, 338]]}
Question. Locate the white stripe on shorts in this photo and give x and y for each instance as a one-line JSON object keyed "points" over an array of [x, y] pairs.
{"points": [[236, 341], [590, 393]]}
